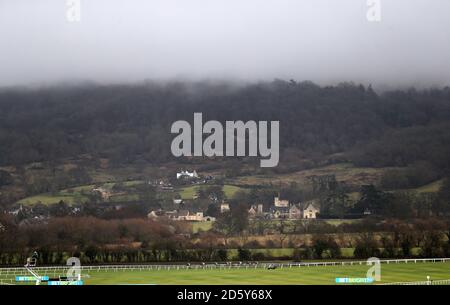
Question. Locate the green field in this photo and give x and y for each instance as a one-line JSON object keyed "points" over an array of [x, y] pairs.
{"points": [[78, 194], [47, 198], [187, 193], [344, 172], [296, 275], [322, 275], [201, 226], [337, 222]]}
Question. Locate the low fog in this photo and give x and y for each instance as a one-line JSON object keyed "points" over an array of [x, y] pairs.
{"points": [[326, 41]]}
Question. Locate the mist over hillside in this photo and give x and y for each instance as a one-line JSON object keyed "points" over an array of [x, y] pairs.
{"points": [[325, 41]]}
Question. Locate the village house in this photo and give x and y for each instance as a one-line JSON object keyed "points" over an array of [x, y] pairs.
{"points": [[187, 174], [310, 210], [177, 201], [164, 185], [278, 212], [252, 212], [16, 212], [105, 194], [281, 203], [256, 211], [155, 214], [282, 209], [224, 207], [180, 215], [295, 212], [198, 216]]}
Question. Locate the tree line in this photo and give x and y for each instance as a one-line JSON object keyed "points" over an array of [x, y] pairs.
{"points": [[132, 123]]}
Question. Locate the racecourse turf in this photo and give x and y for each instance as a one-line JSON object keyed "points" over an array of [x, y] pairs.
{"points": [[323, 275]]}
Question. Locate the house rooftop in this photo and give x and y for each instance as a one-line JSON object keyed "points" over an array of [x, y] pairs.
{"points": [[183, 212], [281, 209]]}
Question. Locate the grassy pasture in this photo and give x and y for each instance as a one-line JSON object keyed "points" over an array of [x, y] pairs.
{"points": [[248, 275], [78, 194], [345, 172], [49, 198], [189, 191], [201, 226], [323, 275]]}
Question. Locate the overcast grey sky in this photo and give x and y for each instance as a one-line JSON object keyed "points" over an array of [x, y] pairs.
{"points": [[325, 41]]}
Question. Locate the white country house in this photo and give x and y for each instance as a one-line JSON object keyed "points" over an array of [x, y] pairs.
{"points": [[187, 174]]}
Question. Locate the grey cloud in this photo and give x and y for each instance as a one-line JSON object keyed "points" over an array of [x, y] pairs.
{"points": [[320, 40]]}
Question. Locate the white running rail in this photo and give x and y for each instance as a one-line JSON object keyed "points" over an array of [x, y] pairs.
{"points": [[251, 265], [429, 282]]}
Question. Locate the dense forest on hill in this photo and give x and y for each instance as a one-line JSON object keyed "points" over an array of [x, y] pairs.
{"points": [[55, 140], [126, 123]]}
